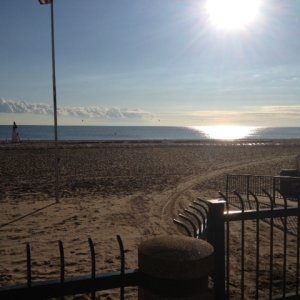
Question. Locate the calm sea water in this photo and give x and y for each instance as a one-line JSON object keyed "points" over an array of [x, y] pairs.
{"points": [[84, 133]]}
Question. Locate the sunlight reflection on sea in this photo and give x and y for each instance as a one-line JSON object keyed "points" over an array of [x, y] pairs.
{"points": [[226, 132]]}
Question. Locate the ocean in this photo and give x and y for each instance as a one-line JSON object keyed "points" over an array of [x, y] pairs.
{"points": [[117, 133]]}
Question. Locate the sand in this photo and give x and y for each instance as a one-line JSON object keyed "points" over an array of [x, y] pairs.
{"points": [[126, 188]]}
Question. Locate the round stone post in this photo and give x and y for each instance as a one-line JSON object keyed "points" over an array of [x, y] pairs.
{"points": [[175, 267]]}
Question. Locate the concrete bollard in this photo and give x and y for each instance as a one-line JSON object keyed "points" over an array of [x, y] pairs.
{"points": [[175, 267]]}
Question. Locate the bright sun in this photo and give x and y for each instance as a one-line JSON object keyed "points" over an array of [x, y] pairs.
{"points": [[232, 14]]}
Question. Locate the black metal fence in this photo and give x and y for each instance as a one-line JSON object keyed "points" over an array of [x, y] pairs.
{"points": [[256, 245], [268, 189], [157, 277], [73, 286], [274, 266], [255, 234], [289, 187]]}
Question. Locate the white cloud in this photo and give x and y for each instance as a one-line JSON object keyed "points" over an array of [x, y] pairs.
{"points": [[82, 112], [288, 115], [28, 113], [282, 109]]}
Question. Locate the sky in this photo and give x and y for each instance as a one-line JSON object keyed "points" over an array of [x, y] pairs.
{"points": [[148, 62]]}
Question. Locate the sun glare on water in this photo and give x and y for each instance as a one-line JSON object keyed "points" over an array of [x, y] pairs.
{"points": [[232, 14], [228, 132]]}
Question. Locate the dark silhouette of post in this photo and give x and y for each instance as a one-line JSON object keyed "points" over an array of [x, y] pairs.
{"points": [[51, 2], [216, 237], [54, 100]]}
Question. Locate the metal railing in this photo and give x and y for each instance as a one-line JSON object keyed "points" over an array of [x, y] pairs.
{"points": [[289, 187], [273, 270], [151, 282], [78, 285], [275, 266]]}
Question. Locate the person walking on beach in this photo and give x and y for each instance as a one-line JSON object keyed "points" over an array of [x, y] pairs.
{"points": [[14, 135]]}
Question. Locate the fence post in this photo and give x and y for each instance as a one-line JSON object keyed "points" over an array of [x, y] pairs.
{"points": [[175, 267], [216, 237]]}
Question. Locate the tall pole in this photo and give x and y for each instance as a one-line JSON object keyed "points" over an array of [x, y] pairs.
{"points": [[54, 102]]}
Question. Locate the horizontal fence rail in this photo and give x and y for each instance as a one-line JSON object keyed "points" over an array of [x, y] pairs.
{"points": [[72, 286], [78, 285]]}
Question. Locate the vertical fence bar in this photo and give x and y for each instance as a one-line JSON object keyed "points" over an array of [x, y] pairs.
{"points": [[227, 186], [284, 249], [29, 277], [202, 203], [93, 266], [257, 247], [271, 244], [256, 185], [184, 226], [198, 233], [191, 223], [62, 266], [274, 187], [242, 246], [271, 250], [203, 210], [122, 271], [227, 248], [227, 253], [203, 217], [247, 191], [216, 237], [298, 249]]}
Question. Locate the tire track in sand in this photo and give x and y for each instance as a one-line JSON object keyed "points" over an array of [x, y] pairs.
{"points": [[169, 209]]}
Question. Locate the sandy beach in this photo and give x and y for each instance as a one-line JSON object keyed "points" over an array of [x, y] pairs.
{"points": [[127, 188]]}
